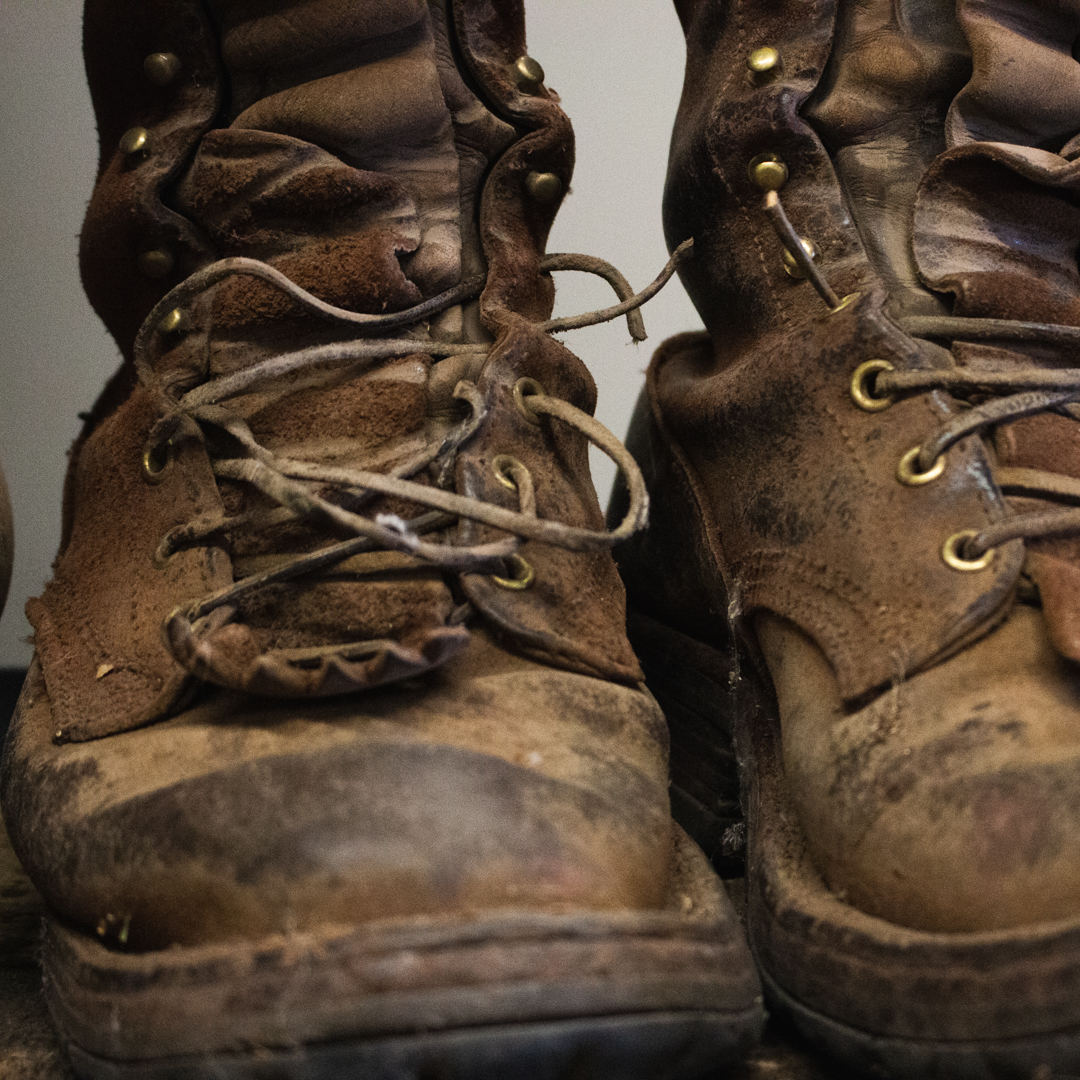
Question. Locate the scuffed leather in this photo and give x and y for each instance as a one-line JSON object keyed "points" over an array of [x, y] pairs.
{"points": [[798, 488], [495, 783], [796, 508], [498, 780], [314, 173]]}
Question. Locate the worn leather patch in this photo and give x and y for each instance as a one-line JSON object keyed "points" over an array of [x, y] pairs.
{"points": [[803, 490], [97, 626]]}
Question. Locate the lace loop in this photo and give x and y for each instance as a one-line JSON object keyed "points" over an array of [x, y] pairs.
{"points": [[328, 496]]}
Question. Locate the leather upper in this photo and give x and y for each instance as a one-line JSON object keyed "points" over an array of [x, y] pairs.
{"points": [[878, 112], [225, 170]]}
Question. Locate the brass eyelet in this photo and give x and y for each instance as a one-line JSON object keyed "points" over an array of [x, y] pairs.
{"points": [[503, 466], [529, 73], [177, 322], [135, 142], [527, 388], [860, 386], [524, 574], [543, 187], [846, 301], [906, 474], [156, 461], [791, 264], [952, 548], [763, 64]]}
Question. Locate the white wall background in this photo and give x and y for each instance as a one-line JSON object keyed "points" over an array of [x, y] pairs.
{"points": [[618, 69]]}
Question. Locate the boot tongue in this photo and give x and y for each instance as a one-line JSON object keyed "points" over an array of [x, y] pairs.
{"points": [[997, 225], [342, 170]]}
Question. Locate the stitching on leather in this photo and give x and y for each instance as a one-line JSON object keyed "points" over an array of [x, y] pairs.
{"points": [[849, 442], [762, 567]]}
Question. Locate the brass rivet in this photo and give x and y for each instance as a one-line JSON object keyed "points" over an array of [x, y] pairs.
{"points": [[791, 267], [176, 322], [530, 75], [524, 574], [156, 264], [860, 386], [762, 62], [161, 67], [767, 172], [503, 467], [524, 388], [135, 140], [544, 187], [906, 474], [952, 548], [156, 460]]}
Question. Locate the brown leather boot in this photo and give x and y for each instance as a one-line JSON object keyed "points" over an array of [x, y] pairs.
{"points": [[334, 757], [864, 481]]}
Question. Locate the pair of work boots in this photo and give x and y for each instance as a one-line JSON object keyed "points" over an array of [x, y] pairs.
{"points": [[335, 758]]}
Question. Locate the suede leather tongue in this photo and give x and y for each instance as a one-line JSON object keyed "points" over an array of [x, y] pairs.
{"points": [[340, 170]]}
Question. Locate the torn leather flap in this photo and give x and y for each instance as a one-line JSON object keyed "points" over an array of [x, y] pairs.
{"points": [[998, 226], [573, 614], [97, 625], [802, 486]]}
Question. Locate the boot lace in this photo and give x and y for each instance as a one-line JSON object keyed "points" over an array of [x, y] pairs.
{"points": [[328, 497]]}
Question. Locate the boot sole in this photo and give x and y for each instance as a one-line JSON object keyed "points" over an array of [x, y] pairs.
{"points": [[880, 997], [667, 993]]}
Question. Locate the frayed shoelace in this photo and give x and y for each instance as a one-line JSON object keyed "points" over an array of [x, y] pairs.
{"points": [[298, 488]]}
